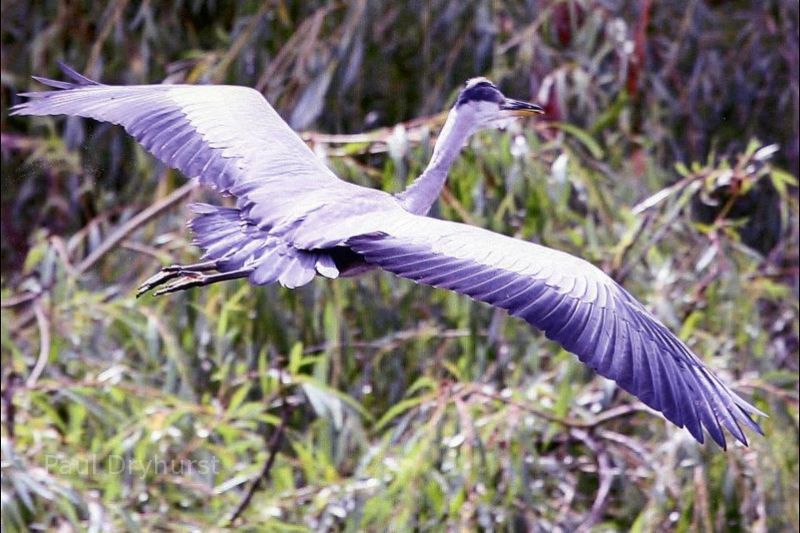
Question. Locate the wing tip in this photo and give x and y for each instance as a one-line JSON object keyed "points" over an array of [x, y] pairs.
{"points": [[76, 76], [77, 80], [731, 421], [18, 110], [56, 84]]}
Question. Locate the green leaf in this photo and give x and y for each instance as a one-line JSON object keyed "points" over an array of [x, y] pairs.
{"points": [[398, 409], [781, 179], [584, 137]]}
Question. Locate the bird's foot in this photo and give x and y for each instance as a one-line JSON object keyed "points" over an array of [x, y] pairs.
{"points": [[186, 280], [187, 277], [171, 272]]}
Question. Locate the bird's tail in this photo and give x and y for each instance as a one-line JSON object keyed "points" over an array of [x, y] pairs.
{"points": [[235, 244]]}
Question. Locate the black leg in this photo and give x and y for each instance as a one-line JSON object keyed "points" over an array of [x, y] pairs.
{"points": [[196, 267], [189, 281], [172, 272]]}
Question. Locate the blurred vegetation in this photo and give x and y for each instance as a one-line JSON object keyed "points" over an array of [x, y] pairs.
{"points": [[668, 157]]}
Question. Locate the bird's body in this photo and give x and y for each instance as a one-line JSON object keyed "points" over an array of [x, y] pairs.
{"points": [[294, 219]]}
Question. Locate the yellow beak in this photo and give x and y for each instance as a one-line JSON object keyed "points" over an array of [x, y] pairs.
{"points": [[518, 108]]}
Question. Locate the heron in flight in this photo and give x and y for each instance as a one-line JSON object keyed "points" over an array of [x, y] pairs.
{"points": [[294, 220]]}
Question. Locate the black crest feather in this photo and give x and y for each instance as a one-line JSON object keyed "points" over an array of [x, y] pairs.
{"points": [[480, 90]]}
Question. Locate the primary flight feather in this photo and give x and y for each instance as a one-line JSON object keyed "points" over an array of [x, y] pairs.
{"points": [[294, 220]]}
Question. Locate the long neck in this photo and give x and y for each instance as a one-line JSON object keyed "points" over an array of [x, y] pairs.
{"points": [[423, 192]]}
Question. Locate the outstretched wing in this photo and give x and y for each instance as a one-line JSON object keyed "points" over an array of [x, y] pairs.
{"points": [[227, 136], [575, 304]]}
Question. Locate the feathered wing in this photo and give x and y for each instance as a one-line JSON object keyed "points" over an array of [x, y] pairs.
{"points": [[233, 141], [228, 137], [575, 304]]}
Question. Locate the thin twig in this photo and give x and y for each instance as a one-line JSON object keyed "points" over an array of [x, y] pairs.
{"points": [[140, 219], [219, 71], [274, 445], [611, 414], [19, 299], [44, 347], [61, 251], [757, 384], [144, 249], [656, 236], [702, 510], [604, 473], [306, 32], [113, 18], [453, 202], [11, 382], [628, 443], [416, 131], [394, 339], [621, 270]]}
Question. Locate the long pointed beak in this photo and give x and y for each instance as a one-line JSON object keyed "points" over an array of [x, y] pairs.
{"points": [[518, 108]]}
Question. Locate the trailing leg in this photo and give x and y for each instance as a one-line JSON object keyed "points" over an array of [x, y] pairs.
{"points": [[175, 271], [192, 279]]}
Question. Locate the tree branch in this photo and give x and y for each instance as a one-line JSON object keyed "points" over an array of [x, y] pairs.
{"points": [[273, 446]]}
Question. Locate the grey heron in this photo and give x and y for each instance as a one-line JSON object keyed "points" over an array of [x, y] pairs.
{"points": [[293, 220]]}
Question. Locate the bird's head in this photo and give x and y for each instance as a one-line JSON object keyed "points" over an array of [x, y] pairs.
{"points": [[483, 105]]}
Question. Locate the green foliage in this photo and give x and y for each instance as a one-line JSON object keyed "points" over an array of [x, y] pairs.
{"points": [[406, 408]]}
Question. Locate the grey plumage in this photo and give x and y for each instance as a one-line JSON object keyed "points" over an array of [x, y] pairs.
{"points": [[294, 219]]}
